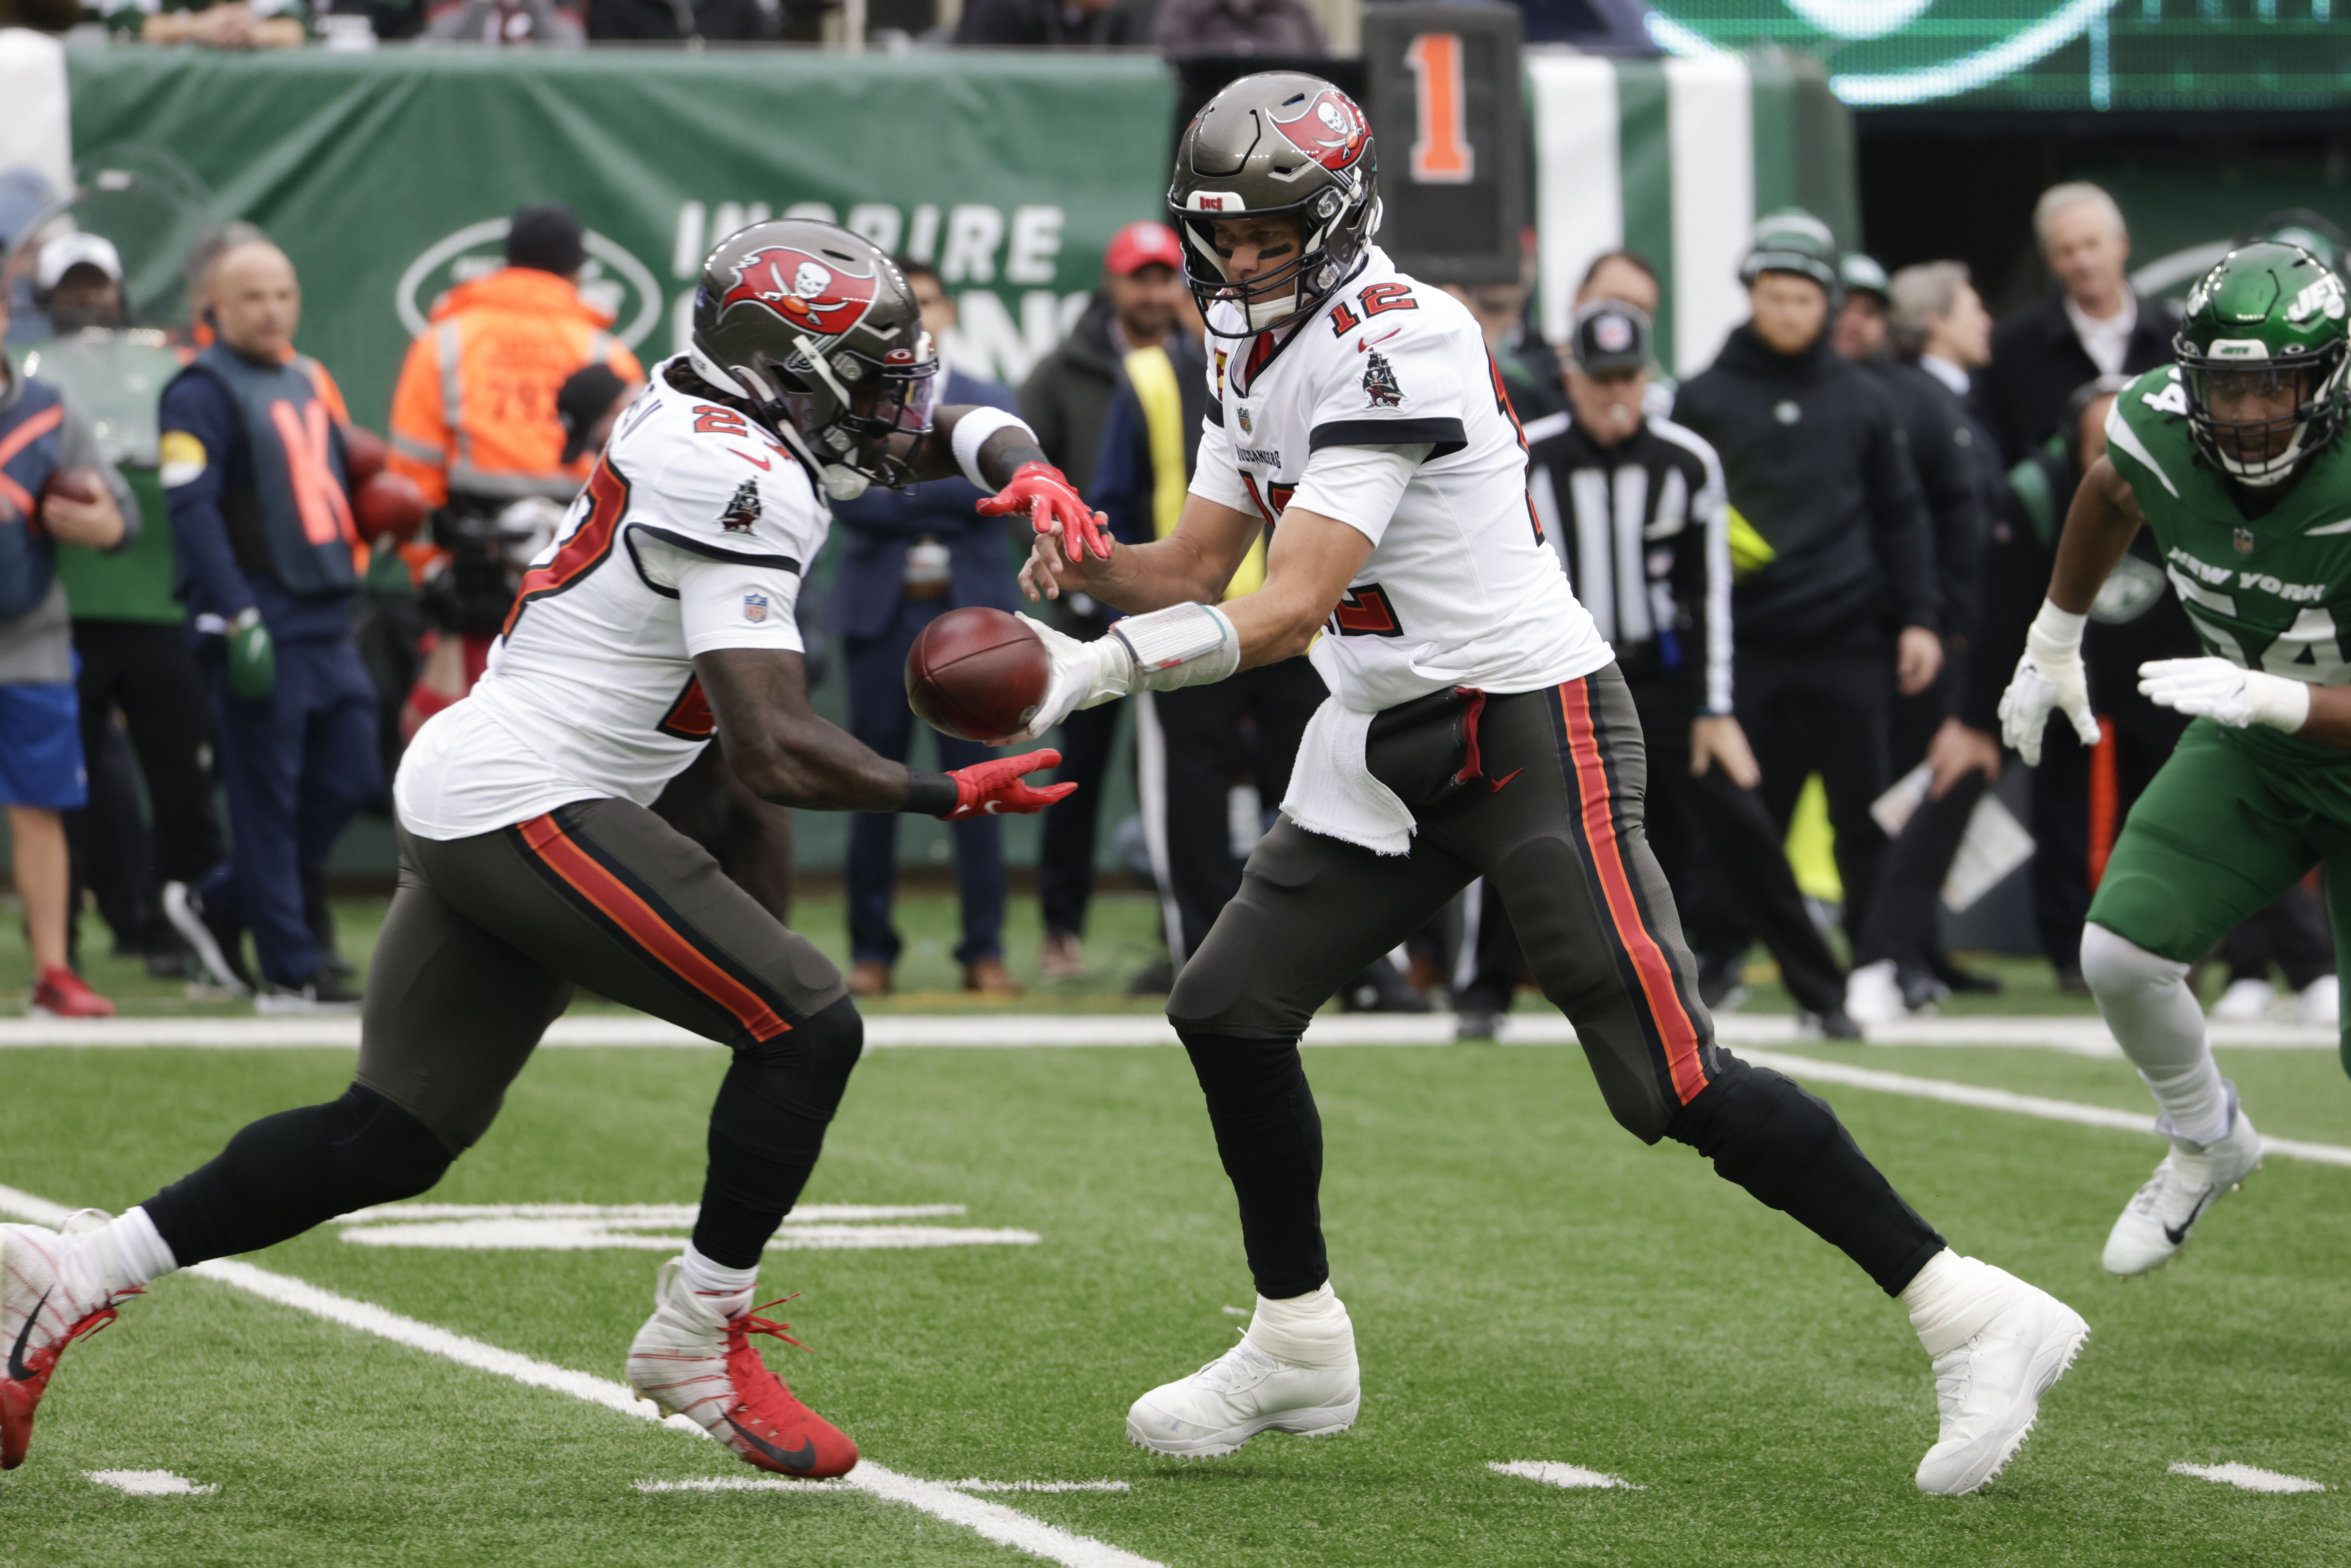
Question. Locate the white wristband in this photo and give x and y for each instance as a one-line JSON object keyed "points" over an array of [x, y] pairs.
{"points": [[2057, 631], [1182, 645], [2279, 702], [975, 427]]}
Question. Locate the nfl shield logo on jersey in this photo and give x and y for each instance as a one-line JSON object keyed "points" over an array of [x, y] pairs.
{"points": [[754, 607]]}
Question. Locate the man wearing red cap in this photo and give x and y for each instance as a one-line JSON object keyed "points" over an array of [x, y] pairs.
{"points": [[1067, 399]]}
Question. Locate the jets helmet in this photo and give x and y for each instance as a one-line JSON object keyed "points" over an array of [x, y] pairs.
{"points": [[2261, 351], [818, 329], [1279, 143]]}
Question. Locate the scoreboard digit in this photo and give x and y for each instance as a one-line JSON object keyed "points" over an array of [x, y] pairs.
{"points": [[1442, 89]]}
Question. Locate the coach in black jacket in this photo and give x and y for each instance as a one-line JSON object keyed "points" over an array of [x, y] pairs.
{"points": [[1847, 604]]}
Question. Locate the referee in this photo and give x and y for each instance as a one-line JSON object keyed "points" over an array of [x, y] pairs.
{"points": [[1635, 507]]}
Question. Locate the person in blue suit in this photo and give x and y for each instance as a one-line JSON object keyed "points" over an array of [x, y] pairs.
{"points": [[907, 558]]}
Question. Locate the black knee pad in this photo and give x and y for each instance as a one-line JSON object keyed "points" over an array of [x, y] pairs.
{"points": [[1761, 1129], [779, 1095]]}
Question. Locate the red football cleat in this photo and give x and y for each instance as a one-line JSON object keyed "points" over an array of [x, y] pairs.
{"points": [[61, 994], [40, 1314], [695, 1358]]}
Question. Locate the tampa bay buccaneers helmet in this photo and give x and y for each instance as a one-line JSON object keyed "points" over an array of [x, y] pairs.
{"points": [[818, 329], [1280, 143]]}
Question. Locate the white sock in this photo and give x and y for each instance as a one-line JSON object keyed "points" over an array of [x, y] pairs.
{"points": [[2145, 1001], [141, 1253], [105, 1261], [1952, 1299], [1313, 1329], [704, 1278]]}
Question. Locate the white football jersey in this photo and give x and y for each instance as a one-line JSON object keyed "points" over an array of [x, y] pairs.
{"points": [[1460, 589], [691, 534]]}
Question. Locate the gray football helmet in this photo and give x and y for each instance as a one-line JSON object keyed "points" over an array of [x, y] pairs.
{"points": [[818, 329], [1277, 143]]}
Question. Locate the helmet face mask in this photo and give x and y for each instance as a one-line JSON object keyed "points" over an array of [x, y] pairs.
{"points": [[817, 330], [2262, 351], [1279, 146]]}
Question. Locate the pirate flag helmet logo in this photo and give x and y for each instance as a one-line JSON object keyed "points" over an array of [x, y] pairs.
{"points": [[1329, 128], [819, 295]]}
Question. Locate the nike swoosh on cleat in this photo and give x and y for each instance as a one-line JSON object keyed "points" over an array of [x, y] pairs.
{"points": [[2177, 1238], [800, 1460], [17, 1370]]}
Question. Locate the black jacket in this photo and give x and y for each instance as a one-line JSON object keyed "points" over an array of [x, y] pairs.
{"points": [[1817, 464], [2037, 361], [1961, 484], [1066, 395], [1123, 22]]}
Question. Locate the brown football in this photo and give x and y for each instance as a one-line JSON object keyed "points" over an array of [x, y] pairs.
{"points": [[85, 485], [977, 675], [363, 453], [389, 504]]}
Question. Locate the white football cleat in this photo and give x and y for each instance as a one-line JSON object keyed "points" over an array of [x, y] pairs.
{"points": [[2245, 1001], [2155, 1224], [1989, 1390], [45, 1304], [1240, 1393], [1872, 994]]}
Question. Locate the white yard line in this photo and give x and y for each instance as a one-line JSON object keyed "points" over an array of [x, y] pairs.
{"points": [[1006, 1526], [2253, 1477], [149, 1483], [2072, 1036], [1551, 1472], [1806, 1069]]}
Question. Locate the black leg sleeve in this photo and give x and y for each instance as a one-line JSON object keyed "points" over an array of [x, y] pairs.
{"points": [[1269, 1137], [767, 1128], [286, 1173], [1787, 1148]]}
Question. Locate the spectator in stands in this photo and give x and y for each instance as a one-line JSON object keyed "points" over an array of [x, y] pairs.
{"points": [[1860, 319], [2091, 324], [908, 556], [220, 24], [41, 773], [1282, 29], [1064, 23], [1846, 596], [1941, 335], [511, 22], [1067, 399], [128, 640], [473, 419], [1635, 507], [263, 543]]}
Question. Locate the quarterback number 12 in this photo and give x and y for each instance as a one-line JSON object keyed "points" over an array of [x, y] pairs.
{"points": [[1375, 299]]}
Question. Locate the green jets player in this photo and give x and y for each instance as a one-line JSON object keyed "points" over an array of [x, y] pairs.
{"points": [[2233, 458]]}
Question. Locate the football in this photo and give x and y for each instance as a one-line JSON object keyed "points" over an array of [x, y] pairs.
{"points": [[977, 674], [84, 486], [363, 454], [389, 504]]}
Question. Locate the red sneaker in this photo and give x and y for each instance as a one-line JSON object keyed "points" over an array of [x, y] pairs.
{"points": [[60, 994], [39, 1316], [695, 1358]]}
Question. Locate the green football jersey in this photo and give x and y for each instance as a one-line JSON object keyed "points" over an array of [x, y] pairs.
{"points": [[2267, 591]]}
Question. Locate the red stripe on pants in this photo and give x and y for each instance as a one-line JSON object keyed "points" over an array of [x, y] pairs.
{"points": [[1675, 1025], [660, 940]]}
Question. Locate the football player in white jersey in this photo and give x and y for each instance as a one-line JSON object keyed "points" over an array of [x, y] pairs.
{"points": [[660, 616], [1477, 724]]}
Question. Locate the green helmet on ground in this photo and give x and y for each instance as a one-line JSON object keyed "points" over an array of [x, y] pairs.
{"points": [[2261, 353]]}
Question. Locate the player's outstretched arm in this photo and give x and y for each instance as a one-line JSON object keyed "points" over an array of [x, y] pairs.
{"points": [[2051, 676], [785, 752]]}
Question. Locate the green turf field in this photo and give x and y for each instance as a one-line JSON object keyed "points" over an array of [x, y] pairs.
{"points": [[1528, 1283]]}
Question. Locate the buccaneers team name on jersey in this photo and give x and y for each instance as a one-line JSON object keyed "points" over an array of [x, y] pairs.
{"points": [[1460, 589], [690, 536]]}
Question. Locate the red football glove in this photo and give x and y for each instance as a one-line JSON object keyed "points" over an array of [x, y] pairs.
{"points": [[988, 789], [1044, 495]]}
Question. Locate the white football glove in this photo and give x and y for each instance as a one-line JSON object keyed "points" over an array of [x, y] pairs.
{"points": [[2049, 678], [2225, 693], [1085, 675]]}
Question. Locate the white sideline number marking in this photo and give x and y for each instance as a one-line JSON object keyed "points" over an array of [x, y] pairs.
{"points": [[2253, 1477], [1551, 1472], [1006, 1526], [149, 1483]]}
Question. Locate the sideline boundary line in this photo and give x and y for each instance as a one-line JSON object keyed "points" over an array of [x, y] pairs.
{"points": [[1005, 1526], [1804, 1068]]}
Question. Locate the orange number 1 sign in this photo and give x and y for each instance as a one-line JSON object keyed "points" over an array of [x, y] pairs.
{"points": [[1441, 153]]}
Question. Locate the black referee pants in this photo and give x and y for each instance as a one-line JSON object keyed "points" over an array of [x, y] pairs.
{"points": [[1541, 793]]}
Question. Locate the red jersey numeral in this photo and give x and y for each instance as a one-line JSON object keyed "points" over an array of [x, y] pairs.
{"points": [[1366, 612], [1343, 320], [689, 717], [712, 420], [607, 500], [1272, 501], [1382, 297]]}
